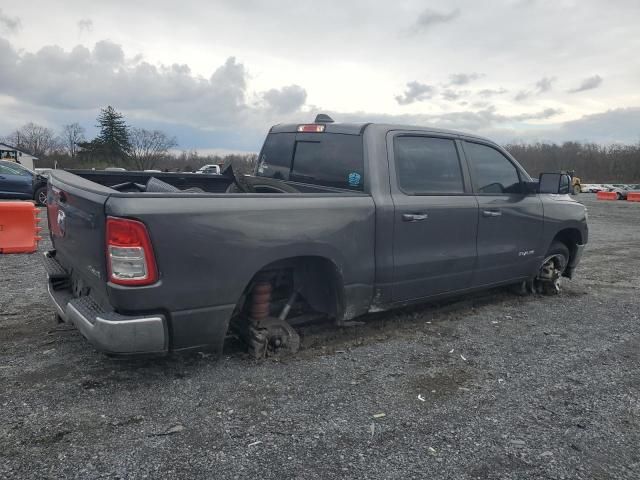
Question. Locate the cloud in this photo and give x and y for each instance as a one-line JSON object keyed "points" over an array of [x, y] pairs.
{"points": [[489, 92], [429, 17], [619, 125], [483, 122], [452, 95], [541, 115], [9, 24], [88, 79], [286, 99], [463, 78], [543, 85], [415, 92], [613, 126], [588, 84], [85, 25], [109, 53]]}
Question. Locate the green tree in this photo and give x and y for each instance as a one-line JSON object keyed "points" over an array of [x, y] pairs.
{"points": [[113, 139]]}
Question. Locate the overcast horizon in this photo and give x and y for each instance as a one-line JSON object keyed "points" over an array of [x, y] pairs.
{"points": [[218, 74]]}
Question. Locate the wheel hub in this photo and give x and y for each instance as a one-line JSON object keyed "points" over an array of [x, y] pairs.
{"points": [[548, 279]]}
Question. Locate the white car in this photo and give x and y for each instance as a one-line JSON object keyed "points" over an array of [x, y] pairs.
{"points": [[209, 169]]}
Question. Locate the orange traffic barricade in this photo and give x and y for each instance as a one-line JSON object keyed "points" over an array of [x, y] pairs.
{"points": [[633, 197], [19, 230], [607, 196]]}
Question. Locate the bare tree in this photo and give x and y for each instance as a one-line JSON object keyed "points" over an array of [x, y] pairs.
{"points": [[72, 134], [34, 139], [148, 147]]}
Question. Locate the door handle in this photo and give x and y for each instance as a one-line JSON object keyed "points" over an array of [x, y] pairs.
{"points": [[491, 213], [62, 198], [414, 217]]}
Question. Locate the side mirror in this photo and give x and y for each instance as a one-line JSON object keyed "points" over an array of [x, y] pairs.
{"points": [[557, 183]]}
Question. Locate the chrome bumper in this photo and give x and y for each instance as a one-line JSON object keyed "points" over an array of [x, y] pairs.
{"points": [[108, 331]]}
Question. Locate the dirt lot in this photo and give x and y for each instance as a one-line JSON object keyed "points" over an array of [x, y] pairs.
{"points": [[492, 386]]}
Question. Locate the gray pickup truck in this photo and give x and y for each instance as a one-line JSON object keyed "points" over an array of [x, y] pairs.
{"points": [[337, 220]]}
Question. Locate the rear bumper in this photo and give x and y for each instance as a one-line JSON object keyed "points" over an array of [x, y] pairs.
{"points": [[107, 330]]}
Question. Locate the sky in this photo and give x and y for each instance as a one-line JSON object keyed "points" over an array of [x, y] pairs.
{"points": [[217, 74]]}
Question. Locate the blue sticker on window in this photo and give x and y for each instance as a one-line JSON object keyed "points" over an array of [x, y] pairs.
{"points": [[354, 179]]}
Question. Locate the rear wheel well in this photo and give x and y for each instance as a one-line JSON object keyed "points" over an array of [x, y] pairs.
{"points": [[317, 280]]}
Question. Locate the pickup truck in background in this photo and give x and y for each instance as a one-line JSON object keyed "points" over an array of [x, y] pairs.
{"points": [[338, 220], [209, 169]]}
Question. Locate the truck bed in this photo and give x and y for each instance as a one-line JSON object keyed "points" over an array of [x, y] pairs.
{"points": [[207, 246]]}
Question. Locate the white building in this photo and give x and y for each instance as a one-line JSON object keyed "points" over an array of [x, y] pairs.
{"points": [[12, 154]]}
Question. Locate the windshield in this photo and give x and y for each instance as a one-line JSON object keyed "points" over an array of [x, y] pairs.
{"points": [[16, 167]]}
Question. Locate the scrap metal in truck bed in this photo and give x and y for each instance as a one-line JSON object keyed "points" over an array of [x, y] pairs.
{"points": [[338, 220]]}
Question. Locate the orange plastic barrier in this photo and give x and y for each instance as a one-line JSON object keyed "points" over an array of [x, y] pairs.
{"points": [[19, 227], [633, 197], [607, 196]]}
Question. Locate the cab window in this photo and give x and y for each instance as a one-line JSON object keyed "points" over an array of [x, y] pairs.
{"points": [[427, 165], [493, 173]]}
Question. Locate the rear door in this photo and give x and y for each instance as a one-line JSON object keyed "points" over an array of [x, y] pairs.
{"points": [[15, 182], [510, 222], [435, 216]]}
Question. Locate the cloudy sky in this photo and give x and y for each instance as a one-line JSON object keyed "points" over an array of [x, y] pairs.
{"points": [[218, 73]]}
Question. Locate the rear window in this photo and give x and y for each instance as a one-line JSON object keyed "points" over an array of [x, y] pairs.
{"points": [[327, 159]]}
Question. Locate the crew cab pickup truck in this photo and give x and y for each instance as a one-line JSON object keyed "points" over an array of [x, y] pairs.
{"points": [[337, 220]]}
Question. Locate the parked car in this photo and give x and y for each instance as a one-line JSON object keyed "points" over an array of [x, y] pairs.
{"points": [[209, 169], [620, 190], [337, 220], [18, 182]]}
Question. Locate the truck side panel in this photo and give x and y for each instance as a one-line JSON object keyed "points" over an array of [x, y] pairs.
{"points": [[208, 249]]}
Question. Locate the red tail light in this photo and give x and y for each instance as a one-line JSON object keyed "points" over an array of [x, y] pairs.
{"points": [[311, 128], [130, 258]]}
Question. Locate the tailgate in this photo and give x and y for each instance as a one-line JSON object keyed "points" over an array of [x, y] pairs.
{"points": [[77, 227]]}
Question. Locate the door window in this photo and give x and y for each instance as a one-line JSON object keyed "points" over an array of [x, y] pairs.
{"points": [[11, 170], [493, 173], [427, 165]]}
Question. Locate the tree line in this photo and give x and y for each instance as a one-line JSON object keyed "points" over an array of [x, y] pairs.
{"points": [[116, 145], [591, 162]]}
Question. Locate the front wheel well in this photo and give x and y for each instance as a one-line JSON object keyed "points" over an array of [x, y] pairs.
{"points": [[571, 238]]}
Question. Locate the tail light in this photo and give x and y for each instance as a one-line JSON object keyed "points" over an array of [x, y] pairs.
{"points": [[130, 258], [311, 128]]}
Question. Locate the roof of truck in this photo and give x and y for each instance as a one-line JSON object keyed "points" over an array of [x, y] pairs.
{"points": [[359, 128]]}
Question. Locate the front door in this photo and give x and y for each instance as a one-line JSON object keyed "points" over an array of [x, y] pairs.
{"points": [[435, 216], [510, 222]]}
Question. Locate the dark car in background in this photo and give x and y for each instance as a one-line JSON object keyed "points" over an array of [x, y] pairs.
{"points": [[20, 183]]}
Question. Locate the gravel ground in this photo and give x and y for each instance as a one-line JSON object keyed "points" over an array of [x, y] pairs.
{"points": [[491, 386]]}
